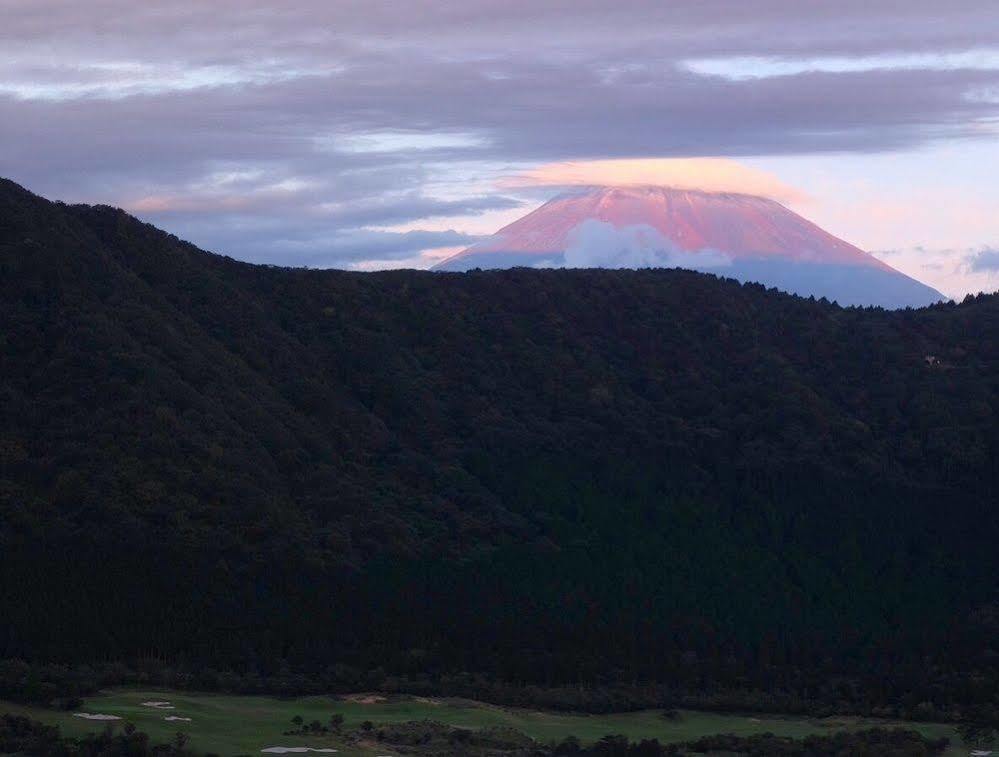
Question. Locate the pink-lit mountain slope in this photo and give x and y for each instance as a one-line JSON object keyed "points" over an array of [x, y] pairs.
{"points": [[734, 235]]}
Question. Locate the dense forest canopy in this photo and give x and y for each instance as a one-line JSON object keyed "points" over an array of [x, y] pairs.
{"points": [[552, 477]]}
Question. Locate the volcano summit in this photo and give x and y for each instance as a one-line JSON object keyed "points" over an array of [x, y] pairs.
{"points": [[739, 236]]}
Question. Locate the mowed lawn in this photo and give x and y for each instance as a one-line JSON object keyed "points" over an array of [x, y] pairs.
{"points": [[232, 725]]}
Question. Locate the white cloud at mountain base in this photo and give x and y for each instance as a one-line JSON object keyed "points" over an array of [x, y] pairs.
{"points": [[597, 244]]}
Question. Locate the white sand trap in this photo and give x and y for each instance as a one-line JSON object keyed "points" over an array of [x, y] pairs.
{"points": [[159, 705], [365, 698], [95, 716], [176, 717], [293, 749]]}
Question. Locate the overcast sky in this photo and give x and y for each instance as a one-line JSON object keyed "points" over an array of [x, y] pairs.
{"points": [[383, 134]]}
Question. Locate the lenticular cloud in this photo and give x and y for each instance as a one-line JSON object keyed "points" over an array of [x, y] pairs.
{"points": [[698, 174]]}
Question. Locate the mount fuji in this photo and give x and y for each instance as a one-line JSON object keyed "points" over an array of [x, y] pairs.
{"points": [[738, 236]]}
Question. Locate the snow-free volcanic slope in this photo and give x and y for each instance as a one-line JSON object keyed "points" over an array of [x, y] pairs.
{"points": [[735, 235]]}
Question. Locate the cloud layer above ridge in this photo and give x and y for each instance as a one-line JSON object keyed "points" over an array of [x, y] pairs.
{"points": [[276, 131]]}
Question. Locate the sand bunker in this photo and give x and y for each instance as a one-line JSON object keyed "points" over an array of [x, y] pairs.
{"points": [[365, 698], [176, 717], [159, 705], [293, 749], [95, 716]]}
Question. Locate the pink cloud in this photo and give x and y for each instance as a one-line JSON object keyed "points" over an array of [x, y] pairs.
{"points": [[704, 174]]}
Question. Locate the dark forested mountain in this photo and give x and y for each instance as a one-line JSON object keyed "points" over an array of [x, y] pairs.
{"points": [[555, 477]]}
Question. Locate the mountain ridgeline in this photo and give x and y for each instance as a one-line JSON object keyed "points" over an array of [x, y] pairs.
{"points": [[537, 476]]}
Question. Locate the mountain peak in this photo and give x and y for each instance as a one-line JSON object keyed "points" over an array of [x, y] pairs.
{"points": [[748, 237]]}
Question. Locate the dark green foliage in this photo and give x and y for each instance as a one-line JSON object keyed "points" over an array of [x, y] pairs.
{"points": [[612, 478], [433, 739], [876, 742], [314, 727], [979, 735], [20, 735]]}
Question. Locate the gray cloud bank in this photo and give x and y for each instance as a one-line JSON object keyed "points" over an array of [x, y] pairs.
{"points": [[295, 127], [984, 261]]}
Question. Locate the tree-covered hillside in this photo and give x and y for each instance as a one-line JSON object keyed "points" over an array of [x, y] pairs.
{"points": [[552, 477]]}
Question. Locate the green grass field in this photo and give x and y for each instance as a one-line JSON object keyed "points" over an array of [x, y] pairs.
{"points": [[232, 725]]}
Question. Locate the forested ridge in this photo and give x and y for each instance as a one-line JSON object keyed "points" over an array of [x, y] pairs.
{"points": [[558, 478]]}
